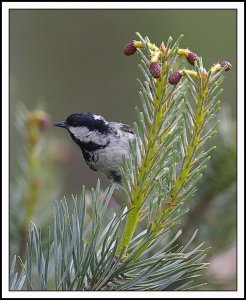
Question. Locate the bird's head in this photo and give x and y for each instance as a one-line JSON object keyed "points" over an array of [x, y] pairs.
{"points": [[85, 127]]}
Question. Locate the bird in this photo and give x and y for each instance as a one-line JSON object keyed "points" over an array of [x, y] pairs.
{"points": [[103, 143]]}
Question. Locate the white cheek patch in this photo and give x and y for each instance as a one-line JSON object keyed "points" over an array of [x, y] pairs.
{"points": [[81, 133], [85, 135]]}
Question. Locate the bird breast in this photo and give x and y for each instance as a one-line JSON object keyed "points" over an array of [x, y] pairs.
{"points": [[110, 157]]}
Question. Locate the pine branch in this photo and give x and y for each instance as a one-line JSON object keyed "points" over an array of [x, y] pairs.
{"points": [[80, 254], [180, 154], [32, 125]]}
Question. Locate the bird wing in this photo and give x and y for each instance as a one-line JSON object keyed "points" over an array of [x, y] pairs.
{"points": [[127, 128]]}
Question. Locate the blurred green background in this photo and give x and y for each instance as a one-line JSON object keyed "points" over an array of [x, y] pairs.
{"points": [[72, 61]]}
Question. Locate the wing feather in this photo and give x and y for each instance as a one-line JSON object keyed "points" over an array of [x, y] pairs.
{"points": [[127, 128]]}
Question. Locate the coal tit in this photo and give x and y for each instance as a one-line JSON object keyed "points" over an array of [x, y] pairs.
{"points": [[102, 143]]}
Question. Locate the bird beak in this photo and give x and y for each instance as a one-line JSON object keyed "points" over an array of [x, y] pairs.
{"points": [[61, 124]]}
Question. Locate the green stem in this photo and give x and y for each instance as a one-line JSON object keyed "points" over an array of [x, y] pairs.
{"points": [[195, 139], [191, 148], [31, 194], [139, 191], [33, 187], [187, 163]]}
